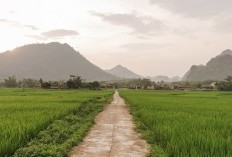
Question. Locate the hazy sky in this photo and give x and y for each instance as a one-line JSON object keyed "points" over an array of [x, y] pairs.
{"points": [[150, 37]]}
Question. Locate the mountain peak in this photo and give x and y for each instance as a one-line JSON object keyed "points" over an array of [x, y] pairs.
{"points": [[226, 52], [119, 66], [218, 68], [50, 61], [123, 72]]}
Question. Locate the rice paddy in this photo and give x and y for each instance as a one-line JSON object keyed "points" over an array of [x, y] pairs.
{"points": [[24, 114], [183, 123]]}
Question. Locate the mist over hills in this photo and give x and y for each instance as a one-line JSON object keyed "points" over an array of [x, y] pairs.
{"points": [[217, 68], [123, 72], [52, 61], [56, 61], [160, 78]]}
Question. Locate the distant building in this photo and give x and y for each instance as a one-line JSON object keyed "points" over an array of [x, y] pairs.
{"points": [[211, 86], [107, 85], [179, 87], [214, 85], [151, 87]]}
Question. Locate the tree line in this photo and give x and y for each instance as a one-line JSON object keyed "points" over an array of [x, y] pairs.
{"points": [[75, 82], [225, 85]]}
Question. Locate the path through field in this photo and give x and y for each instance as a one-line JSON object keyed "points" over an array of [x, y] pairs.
{"points": [[113, 135]]}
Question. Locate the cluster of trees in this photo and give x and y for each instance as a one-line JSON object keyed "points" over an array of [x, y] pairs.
{"points": [[11, 82], [194, 84], [75, 82], [147, 84], [142, 84], [161, 85], [225, 85], [134, 83]]}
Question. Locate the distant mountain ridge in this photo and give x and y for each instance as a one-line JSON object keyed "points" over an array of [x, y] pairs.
{"points": [[217, 68], [123, 72], [160, 78], [52, 61]]}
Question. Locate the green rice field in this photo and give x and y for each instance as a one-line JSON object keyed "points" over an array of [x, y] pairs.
{"points": [[24, 114], [183, 123]]}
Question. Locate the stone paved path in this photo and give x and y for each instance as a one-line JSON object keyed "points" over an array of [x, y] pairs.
{"points": [[113, 135]]}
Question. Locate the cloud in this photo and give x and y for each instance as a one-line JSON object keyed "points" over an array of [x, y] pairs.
{"points": [[54, 34], [31, 27], [8, 21], [18, 24], [139, 24], [57, 33], [195, 8], [215, 14]]}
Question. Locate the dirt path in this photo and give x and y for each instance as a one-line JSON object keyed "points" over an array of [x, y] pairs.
{"points": [[113, 135]]}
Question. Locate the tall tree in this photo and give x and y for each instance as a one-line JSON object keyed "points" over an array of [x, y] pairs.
{"points": [[74, 82]]}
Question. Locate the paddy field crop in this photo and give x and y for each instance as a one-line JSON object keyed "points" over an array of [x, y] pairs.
{"points": [[23, 115], [183, 123]]}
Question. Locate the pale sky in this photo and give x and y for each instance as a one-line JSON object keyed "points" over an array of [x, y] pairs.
{"points": [[150, 37]]}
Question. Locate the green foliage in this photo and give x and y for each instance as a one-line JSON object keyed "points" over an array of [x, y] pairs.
{"points": [[74, 82], [180, 123], [133, 83], [46, 85], [24, 114], [225, 85], [11, 82], [29, 83], [94, 85], [229, 78]]}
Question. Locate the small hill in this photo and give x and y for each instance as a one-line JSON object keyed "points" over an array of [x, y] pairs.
{"points": [[217, 68], [52, 61], [122, 72], [165, 78]]}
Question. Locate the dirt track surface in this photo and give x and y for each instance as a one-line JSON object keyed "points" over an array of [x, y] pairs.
{"points": [[113, 135]]}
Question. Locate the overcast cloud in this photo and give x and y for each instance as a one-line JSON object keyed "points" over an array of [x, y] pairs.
{"points": [[54, 34], [139, 24], [18, 24], [223, 24], [151, 37], [59, 33], [196, 8]]}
